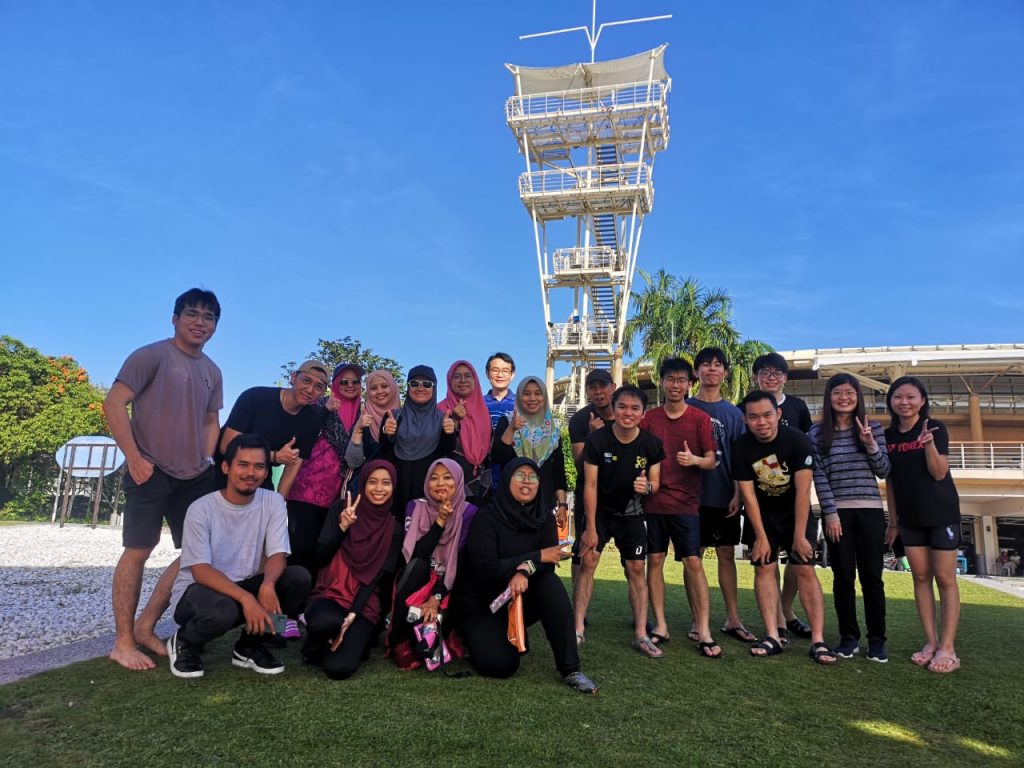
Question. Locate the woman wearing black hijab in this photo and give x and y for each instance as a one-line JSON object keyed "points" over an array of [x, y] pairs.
{"points": [[415, 437], [513, 543]]}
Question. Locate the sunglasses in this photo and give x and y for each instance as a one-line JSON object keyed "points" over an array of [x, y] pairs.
{"points": [[421, 384], [348, 382]]}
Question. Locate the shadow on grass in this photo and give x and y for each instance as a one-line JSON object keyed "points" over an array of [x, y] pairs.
{"points": [[680, 710]]}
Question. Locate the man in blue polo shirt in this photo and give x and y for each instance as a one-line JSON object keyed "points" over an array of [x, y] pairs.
{"points": [[500, 399]]}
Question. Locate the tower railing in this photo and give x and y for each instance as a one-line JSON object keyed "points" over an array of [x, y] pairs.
{"points": [[581, 101], [588, 178], [594, 257], [586, 332]]}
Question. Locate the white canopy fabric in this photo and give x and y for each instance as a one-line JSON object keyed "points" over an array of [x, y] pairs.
{"points": [[632, 69]]}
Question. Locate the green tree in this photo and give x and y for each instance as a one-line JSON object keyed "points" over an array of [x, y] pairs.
{"points": [[680, 317], [349, 350], [44, 402]]}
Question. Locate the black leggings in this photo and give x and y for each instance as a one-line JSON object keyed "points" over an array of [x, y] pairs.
{"points": [[486, 634], [304, 523], [323, 622], [859, 551]]}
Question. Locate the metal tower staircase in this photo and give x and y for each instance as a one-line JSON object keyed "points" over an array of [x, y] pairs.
{"points": [[589, 134]]}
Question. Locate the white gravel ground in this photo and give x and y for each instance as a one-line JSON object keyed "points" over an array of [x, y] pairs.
{"points": [[55, 583]]}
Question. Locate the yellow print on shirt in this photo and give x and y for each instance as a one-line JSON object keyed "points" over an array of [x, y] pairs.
{"points": [[641, 462], [773, 476]]}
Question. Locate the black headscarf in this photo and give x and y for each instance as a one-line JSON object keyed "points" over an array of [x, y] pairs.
{"points": [[516, 515]]}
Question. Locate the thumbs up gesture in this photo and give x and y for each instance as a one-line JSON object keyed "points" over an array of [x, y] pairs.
{"points": [[287, 454], [366, 420], [460, 410], [685, 457], [390, 425], [448, 425], [640, 484], [518, 422]]}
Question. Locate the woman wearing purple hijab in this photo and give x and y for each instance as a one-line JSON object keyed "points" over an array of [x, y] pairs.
{"points": [[360, 542], [436, 528]]}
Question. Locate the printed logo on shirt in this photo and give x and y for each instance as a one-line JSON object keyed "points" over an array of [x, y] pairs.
{"points": [[914, 445], [808, 461], [641, 462], [773, 476], [610, 457]]}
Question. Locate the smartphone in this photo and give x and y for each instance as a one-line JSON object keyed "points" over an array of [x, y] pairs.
{"points": [[279, 622]]}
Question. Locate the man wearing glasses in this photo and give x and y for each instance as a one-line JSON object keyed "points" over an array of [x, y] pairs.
{"points": [[771, 372], [500, 399], [168, 438], [289, 419]]}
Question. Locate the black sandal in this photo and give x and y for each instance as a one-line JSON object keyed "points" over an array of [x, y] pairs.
{"points": [[798, 627], [818, 653], [769, 645]]}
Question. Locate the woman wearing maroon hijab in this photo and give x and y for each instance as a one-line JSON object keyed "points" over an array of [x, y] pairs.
{"points": [[359, 542]]}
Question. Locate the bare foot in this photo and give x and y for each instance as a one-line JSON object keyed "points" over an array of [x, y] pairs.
{"points": [[151, 642], [131, 658]]}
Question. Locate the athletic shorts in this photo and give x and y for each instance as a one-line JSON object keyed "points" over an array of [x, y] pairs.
{"points": [[780, 537], [717, 530], [940, 537], [682, 530], [629, 534], [161, 497]]}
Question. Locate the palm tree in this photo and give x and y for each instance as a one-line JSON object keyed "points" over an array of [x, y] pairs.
{"points": [[680, 317]]}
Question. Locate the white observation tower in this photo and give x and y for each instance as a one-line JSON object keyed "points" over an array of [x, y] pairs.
{"points": [[589, 134]]}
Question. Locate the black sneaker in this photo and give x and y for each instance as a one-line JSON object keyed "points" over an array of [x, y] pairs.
{"points": [[258, 658], [580, 682], [876, 650], [185, 658], [848, 647]]}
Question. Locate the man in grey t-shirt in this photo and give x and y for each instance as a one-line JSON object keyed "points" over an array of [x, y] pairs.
{"points": [[167, 436], [233, 567]]}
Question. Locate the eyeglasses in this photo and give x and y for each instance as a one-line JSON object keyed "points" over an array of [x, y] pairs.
{"points": [[769, 373], [523, 477], [194, 315], [674, 380], [841, 393], [462, 377], [499, 371], [305, 381], [418, 384], [348, 382]]}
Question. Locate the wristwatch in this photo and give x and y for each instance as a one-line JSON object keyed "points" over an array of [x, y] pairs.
{"points": [[650, 489]]}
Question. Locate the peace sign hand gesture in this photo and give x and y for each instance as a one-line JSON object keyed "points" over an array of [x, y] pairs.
{"points": [[348, 514], [867, 436], [927, 437]]}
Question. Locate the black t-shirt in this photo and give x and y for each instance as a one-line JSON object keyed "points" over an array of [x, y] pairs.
{"points": [[772, 468], [921, 500], [618, 465], [796, 414], [579, 423], [259, 410]]}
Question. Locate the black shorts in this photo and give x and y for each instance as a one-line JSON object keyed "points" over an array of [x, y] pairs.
{"points": [[629, 534], [717, 530], [682, 530], [940, 537], [161, 497], [780, 537]]}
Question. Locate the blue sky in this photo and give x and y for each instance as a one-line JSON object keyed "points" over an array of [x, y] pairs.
{"points": [[852, 173]]}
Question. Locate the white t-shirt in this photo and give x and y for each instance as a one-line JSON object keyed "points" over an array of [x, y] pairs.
{"points": [[233, 539]]}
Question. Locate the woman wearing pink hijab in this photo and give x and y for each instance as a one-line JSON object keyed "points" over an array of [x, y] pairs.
{"points": [[381, 398], [465, 403]]}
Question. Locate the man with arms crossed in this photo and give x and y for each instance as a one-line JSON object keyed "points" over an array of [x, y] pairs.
{"points": [[175, 392], [673, 513], [773, 467], [719, 497], [621, 466], [233, 566]]}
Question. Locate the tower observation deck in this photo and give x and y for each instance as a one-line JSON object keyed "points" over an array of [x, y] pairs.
{"points": [[588, 134]]}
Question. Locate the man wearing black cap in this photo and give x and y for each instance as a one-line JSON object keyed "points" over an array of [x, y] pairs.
{"points": [[288, 419]]}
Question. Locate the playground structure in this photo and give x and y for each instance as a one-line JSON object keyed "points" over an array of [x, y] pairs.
{"points": [[588, 134]]}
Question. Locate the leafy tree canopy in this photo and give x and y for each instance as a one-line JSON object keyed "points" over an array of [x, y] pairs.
{"points": [[349, 350]]}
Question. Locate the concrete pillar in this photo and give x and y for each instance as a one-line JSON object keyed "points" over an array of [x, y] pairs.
{"points": [[986, 543], [617, 369], [549, 378], [974, 412]]}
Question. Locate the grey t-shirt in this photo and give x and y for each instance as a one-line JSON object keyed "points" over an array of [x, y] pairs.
{"points": [[233, 539], [173, 392]]}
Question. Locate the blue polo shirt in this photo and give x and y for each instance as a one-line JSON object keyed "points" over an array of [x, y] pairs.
{"points": [[498, 408]]}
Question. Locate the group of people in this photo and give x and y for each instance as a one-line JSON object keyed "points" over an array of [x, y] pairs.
{"points": [[436, 525]]}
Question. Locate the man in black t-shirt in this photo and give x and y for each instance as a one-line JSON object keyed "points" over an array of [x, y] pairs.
{"points": [[772, 465], [621, 466], [771, 371], [289, 419]]}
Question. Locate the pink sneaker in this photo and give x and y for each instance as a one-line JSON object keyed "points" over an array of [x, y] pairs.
{"points": [[291, 630]]}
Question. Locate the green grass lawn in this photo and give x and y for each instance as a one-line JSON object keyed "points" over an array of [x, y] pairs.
{"points": [[680, 710]]}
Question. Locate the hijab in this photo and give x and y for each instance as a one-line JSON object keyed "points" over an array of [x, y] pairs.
{"points": [[424, 514], [541, 434], [475, 428], [419, 426], [366, 546], [512, 513], [375, 411], [348, 410]]}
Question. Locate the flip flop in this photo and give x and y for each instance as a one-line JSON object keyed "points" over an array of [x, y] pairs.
{"points": [[742, 634], [580, 638], [647, 648], [820, 652], [923, 657], [703, 648], [658, 639], [694, 635], [952, 664], [769, 645]]}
